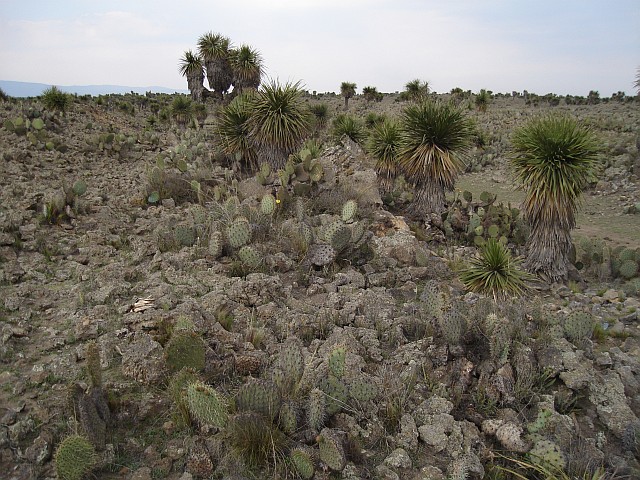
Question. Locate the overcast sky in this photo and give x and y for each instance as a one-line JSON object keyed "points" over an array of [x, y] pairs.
{"points": [[560, 46]]}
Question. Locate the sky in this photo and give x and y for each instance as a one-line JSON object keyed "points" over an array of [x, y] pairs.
{"points": [[559, 46]]}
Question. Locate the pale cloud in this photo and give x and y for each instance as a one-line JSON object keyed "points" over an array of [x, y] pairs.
{"points": [[566, 47]]}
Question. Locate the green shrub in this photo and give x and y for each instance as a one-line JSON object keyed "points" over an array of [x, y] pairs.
{"points": [[55, 99]]}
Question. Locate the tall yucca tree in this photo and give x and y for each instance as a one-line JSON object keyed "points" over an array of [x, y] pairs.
{"points": [[417, 90], [247, 67], [214, 50], [435, 139], [384, 144], [347, 90], [192, 68], [279, 122], [232, 131], [553, 159]]}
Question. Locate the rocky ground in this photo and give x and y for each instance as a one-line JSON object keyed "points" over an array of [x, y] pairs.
{"points": [[369, 331]]}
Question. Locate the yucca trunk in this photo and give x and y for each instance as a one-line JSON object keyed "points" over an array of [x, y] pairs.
{"points": [[194, 83], [548, 250], [428, 198], [219, 75]]}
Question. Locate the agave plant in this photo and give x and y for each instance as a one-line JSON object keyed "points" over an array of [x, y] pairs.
{"points": [[181, 110], [192, 68], [384, 145], [416, 90], [554, 159], [247, 66], [495, 272], [320, 112], [435, 138], [214, 50], [279, 122], [345, 124], [232, 131], [347, 90]]}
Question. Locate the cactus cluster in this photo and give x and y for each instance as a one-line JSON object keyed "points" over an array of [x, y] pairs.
{"points": [[476, 222], [452, 325], [594, 256], [68, 203], [114, 144]]}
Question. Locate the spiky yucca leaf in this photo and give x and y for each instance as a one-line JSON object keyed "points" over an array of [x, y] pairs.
{"points": [[345, 124], [435, 138], [384, 144], [553, 159], [495, 272], [247, 66], [279, 122], [214, 50], [232, 129]]}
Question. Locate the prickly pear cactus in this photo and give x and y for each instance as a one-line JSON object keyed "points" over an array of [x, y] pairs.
{"points": [[206, 405], [268, 204], [337, 234], [288, 418], [239, 232], [337, 361], [250, 257], [362, 389], [291, 363], [216, 243], [316, 409], [578, 326], [332, 449], [549, 455], [185, 235], [74, 458], [185, 349], [259, 396], [349, 210], [432, 300], [452, 325], [337, 394], [321, 254], [303, 463]]}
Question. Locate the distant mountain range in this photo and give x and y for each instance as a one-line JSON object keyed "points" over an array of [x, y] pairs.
{"points": [[28, 89]]}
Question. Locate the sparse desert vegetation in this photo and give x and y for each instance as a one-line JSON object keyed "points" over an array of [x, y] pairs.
{"points": [[250, 282]]}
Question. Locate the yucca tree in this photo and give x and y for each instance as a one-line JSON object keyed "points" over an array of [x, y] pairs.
{"points": [[554, 159], [192, 68], [214, 50], [371, 94], [181, 110], [247, 67], [417, 90], [482, 100], [279, 122], [347, 90], [232, 131], [435, 138], [384, 145]]}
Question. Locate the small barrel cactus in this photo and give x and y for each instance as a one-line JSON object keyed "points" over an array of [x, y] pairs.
{"points": [[74, 458]]}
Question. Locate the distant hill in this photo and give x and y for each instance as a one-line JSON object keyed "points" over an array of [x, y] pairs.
{"points": [[28, 89]]}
